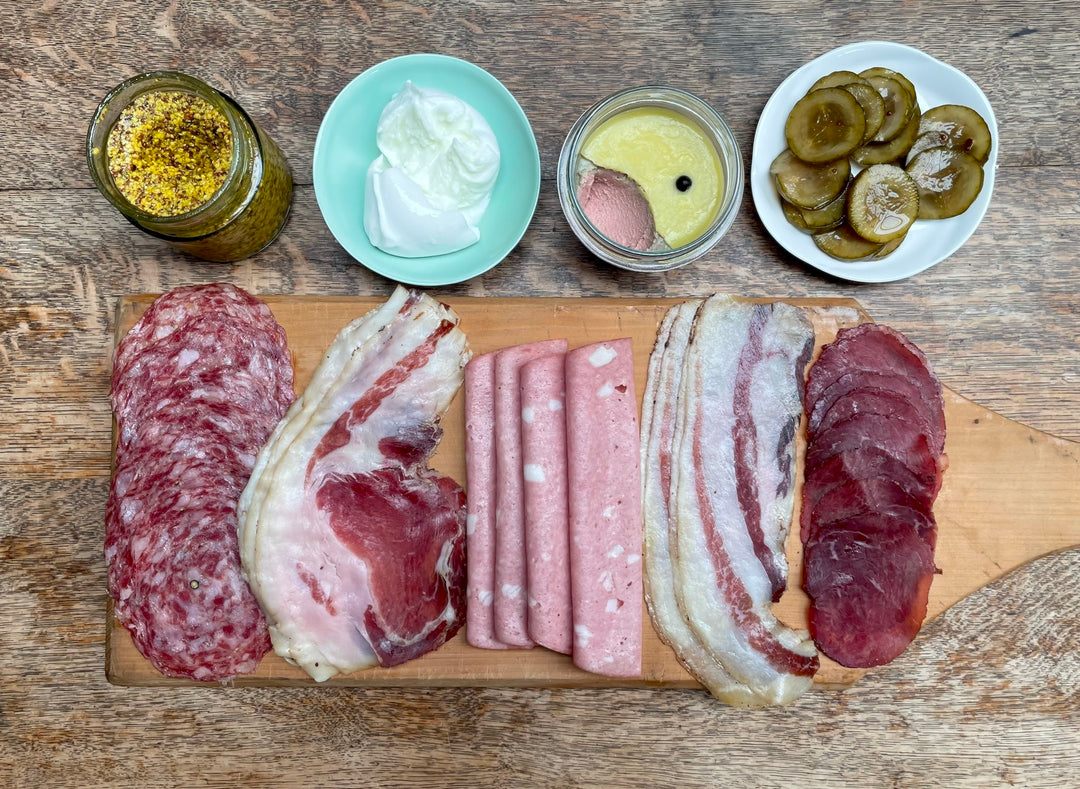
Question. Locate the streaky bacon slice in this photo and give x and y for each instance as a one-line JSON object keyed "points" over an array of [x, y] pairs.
{"points": [[729, 422], [658, 436], [353, 547]]}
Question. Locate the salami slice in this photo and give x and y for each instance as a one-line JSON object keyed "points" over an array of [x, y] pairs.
{"points": [[198, 384]]}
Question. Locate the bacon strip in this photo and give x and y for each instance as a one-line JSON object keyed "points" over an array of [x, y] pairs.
{"points": [[736, 402], [353, 547]]}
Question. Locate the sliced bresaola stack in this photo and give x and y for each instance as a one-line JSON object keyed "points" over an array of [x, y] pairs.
{"points": [[722, 408], [874, 464], [198, 384], [353, 546]]}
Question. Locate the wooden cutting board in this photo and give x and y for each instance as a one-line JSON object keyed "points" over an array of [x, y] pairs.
{"points": [[1011, 493]]}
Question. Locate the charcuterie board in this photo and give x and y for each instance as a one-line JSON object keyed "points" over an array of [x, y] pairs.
{"points": [[1011, 493]]}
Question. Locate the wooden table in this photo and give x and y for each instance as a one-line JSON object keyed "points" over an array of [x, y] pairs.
{"points": [[990, 692]]}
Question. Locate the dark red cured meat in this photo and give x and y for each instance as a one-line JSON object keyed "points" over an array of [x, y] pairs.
{"points": [[875, 495], [878, 357], [176, 308], [869, 586], [900, 437], [921, 484], [873, 466], [399, 521], [198, 384]]}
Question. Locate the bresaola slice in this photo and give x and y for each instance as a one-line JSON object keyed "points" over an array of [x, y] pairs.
{"points": [[730, 423], [353, 546], [874, 461]]}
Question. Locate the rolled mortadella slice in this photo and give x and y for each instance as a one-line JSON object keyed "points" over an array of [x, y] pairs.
{"points": [[511, 603], [480, 501], [604, 484], [547, 541]]}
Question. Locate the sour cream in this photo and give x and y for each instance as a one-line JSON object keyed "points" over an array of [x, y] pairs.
{"points": [[427, 191]]}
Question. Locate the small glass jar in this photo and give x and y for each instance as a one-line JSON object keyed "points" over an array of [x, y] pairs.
{"points": [[242, 215], [712, 128]]}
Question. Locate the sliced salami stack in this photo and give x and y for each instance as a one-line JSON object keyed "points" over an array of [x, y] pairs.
{"points": [[874, 461], [198, 384]]}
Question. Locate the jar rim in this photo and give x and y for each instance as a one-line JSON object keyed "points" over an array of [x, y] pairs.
{"points": [[720, 136], [165, 80]]}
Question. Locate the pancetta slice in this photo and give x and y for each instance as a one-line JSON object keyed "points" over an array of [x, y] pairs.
{"points": [[732, 472], [658, 436], [352, 545]]}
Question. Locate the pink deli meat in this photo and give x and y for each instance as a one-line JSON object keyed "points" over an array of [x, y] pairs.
{"points": [[511, 577], [603, 450], [543, 456], [480, 504], [198, 384], [352, 544]]}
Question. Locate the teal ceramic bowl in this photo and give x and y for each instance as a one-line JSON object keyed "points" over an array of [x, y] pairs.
{"points": [[345, 147]]}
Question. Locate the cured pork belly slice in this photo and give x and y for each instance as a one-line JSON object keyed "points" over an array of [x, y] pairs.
{"points": [[547, 538], [658, 435], [480, 503], [511, 574], [604, 488], [352, 545], [727, 534]]}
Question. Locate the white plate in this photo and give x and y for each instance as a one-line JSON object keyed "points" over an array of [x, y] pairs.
{"points": [[929, 241]]}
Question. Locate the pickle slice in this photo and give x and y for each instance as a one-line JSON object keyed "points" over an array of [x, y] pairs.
{"points": [[837, 79], [873, 107], [824, 125], [899, 105], [948, 181], [793, 214], [827, 217], [809, 185], [890, 152], [890, 247], [882, 203], [843, 243], [959, 127], [881, 71]]}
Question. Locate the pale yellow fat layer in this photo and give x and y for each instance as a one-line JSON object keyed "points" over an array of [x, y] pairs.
{"points": [[655, 146]]}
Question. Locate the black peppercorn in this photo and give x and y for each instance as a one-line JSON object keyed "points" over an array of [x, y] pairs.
{"points": [[683, 182]]}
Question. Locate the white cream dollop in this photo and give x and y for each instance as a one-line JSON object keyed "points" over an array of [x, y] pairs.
{"points": [[432, 182]]}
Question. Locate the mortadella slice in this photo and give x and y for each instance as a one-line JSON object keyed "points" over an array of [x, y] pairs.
{"points": [[480, 506], [511, 604], [604, 475], [547, 541]]}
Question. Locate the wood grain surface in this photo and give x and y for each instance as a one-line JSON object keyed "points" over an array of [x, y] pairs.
{"points": [[988, 695], [986, 529]]}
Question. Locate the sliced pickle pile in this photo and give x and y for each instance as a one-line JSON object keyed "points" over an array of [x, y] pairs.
{"points": [[915, 165]]}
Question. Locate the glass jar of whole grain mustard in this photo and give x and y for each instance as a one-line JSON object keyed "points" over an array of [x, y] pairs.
{"points": [[184, 162]]}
